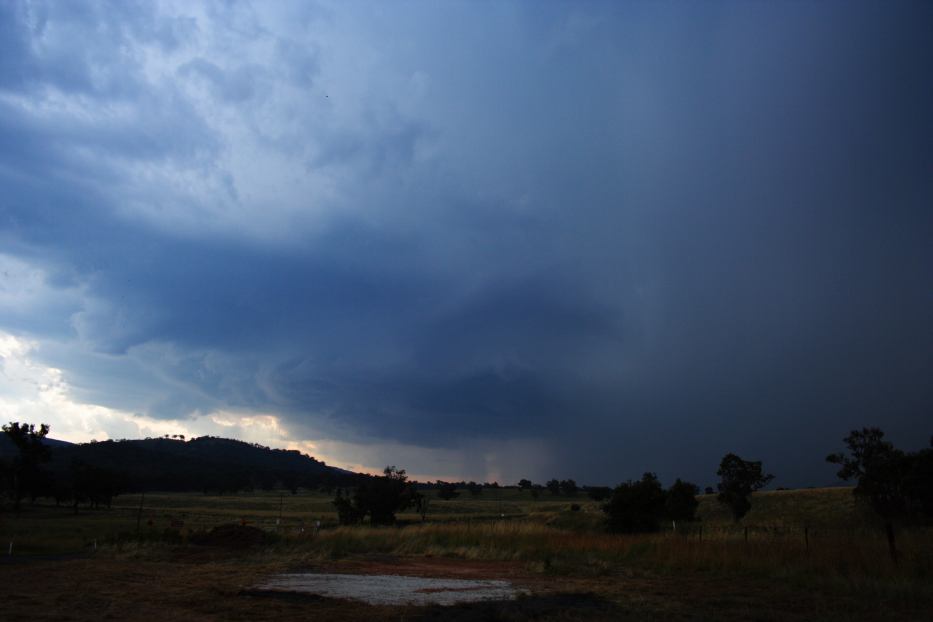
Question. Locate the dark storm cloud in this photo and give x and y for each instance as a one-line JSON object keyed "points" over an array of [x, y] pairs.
{"points": [[645, 234]]}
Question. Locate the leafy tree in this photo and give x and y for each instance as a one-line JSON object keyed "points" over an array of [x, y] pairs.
{"points": [[388, 494], [525, 484], [475, 489], [681, 501], [24, 472], [348, 511], [94, 485], [738, 480], [636, 506], [896, 484], [380, 498], [554, 486], [568, 487], [878, 469]]}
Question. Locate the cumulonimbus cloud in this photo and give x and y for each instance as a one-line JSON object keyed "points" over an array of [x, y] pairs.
{"points": [[587, 231]]}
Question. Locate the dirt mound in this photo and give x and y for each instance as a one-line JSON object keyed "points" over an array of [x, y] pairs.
{"points": [[232, 536]]}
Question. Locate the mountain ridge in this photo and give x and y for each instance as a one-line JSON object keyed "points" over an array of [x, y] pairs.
{"points": [[205, 463]]}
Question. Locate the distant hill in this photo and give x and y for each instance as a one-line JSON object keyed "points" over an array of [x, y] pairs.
{"points": [[207, 463], [7, 448]]}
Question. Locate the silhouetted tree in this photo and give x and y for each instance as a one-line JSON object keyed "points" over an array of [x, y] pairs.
{"points": [[525, 484], [681, 502], [568, 487], [878, 469], [639, 506], [24, 470], [475, 489], [94, 485], [554, 486], [709, 490], [636, 506], [380, 498], [895, 483], [62, 490], [348, 512], [738, 480]]}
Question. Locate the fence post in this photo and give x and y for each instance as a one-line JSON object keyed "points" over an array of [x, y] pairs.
{"points": [[889, 529], [139, 514], [10, 552]]}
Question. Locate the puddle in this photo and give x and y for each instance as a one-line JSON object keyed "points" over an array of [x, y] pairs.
{"points": [[383, 589]]}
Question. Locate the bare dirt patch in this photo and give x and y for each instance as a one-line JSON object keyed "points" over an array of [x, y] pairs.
{"points": [[379, 589]]}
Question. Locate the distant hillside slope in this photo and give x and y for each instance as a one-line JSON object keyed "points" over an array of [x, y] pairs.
{"points": [[817, 507], [204, 464], [7, 448]]}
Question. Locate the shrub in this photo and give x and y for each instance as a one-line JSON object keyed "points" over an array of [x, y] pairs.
{"points": [[681, 501], [739, 479], [377, 497], [636, 506]]}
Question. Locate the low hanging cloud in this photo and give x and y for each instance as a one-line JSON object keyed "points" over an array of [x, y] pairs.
{"points": [[497, 241]]}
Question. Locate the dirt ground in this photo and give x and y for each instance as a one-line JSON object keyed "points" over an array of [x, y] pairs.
{"points": [[194, 587]]}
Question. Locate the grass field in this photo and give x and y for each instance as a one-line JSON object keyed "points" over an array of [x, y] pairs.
{"points": [[43, 528], [803, 542]]}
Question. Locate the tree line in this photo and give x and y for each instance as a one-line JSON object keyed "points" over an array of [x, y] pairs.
{"points": [[896, 484]]}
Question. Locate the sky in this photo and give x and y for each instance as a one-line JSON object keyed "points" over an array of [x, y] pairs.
{"points": [[476, 240]]}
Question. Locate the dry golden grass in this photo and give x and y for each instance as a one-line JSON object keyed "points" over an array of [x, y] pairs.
{"points": [[855, 561], [846, 559]]}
